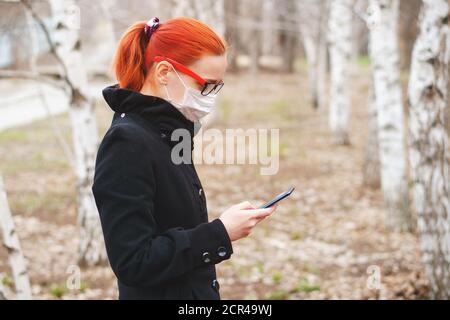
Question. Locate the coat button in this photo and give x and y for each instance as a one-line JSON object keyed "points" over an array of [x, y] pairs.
{"points": [[122, 115], [206, 257], [222, 251], [200, 191], [215, 284]]}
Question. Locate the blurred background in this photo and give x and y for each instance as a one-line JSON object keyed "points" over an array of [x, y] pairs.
{"points": [[357, 88]]}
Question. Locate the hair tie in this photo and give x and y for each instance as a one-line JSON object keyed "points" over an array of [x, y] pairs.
{"points": [[151, 26]]}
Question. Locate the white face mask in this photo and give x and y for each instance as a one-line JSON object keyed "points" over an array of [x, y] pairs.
{"points": [[194, 105]]}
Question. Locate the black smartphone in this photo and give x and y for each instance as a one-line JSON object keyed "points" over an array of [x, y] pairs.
{"points": [[278, 198]]}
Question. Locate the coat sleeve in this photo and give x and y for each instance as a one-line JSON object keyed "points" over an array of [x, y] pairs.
{"points": [[124, 189]]}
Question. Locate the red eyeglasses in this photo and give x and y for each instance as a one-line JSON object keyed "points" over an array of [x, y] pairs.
{"points": [[208, 87]]}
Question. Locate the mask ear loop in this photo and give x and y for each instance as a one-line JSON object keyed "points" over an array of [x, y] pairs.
{"points": [[167, 93], [165, 86], [184, 84]]}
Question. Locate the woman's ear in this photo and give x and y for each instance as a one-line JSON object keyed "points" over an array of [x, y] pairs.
{"points": [[162, 72]]}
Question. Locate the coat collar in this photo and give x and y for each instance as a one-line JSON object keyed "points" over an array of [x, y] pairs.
{"points": [[160, 114]]}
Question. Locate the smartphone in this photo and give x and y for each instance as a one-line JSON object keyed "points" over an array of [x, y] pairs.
{"points": [[278, 198]]}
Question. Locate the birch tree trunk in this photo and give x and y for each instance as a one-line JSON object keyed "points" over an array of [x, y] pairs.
{"points": [[371, 169], [322, 63], [254, 46], [231, 32], [287, 38], [109, 38], [311, 51], [84, 129], [383, 48], [2, 289], [34, 54], [429, 142], [12, 244], [339, 37], [313, 36]]}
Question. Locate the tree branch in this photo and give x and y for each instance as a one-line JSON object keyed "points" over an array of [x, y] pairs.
{"points": [[50, 42], [29, 75]]}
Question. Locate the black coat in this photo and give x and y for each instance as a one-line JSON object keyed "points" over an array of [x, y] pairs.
{"points": [[153, 212]]}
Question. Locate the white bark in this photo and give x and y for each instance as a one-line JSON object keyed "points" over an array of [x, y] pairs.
{"points": [[254, 43], [339, 37], [313, 36], [107, 46], [383, 48], [285, 14], [34, 54], [2, 289], [12, 244], [429, 142], [231, 33], [268, 8], [84, 129], [371, 170], [312, 57], [310, 53]]}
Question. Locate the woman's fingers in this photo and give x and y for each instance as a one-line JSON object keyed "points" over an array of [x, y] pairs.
{"points": [[245, 205], [241, 218], [261, 213]]}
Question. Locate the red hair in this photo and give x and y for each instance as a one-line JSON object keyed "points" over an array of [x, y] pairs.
{"points": [[182, 39]]}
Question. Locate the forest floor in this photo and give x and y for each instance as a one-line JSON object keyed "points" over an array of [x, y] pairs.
{"points": [[327, 241]]}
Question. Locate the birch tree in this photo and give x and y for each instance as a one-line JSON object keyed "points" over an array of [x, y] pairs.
{"points": [[340, 44], [254, 42], [2, 289], [34, 53], [231, 33], [429, 142], [12, 244], [313, 17], [287, 38], [109, 39], [371, 167], [67, 45], [383, 48]]}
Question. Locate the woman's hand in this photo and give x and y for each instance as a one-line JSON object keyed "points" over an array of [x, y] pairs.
{"points": [[240, 219]]}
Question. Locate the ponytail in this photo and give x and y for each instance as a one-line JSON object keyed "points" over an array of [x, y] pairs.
{"points": [[182, 39], [129, 61]]}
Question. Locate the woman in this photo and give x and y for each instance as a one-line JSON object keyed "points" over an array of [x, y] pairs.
{"points": [[153, 211]]}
